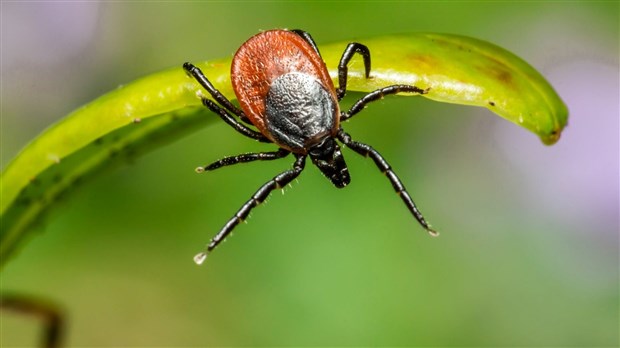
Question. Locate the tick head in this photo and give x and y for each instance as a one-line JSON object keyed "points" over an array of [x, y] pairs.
{"points": [[327, 156]]}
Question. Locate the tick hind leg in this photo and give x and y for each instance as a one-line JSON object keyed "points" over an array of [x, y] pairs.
{"points": [[279, 181], [239, 127], [343, 69], [367, 151], [198, 75], [306, 36]]}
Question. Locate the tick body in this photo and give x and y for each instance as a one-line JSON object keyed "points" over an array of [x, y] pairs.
{"points": [[285, 92]]}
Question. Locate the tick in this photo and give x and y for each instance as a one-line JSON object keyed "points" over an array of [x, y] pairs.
{"points": [[285, 92]]}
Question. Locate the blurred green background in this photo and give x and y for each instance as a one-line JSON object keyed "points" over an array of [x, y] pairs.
{"points": [[528, 252]]}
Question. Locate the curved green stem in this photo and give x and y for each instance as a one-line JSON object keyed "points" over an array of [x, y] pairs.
{"points": [[164, 106]]}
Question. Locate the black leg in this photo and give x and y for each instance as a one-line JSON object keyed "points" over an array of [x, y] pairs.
{"points": [[379, 94], [343, 70], [306, 36], [217, 95], [368, 151], [246, 157], [48, 312], [231, 121], [279, 181]]}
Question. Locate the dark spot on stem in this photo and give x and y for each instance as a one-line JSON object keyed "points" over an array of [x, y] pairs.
{"points": [[76, 181], [59, 196], [25, 201], [57, 178], [113, 153]]}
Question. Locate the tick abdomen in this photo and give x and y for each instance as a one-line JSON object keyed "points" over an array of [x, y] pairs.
{"points": [[299, 111]]}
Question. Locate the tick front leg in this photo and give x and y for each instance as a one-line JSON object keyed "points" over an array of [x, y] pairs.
{"points": [[367, 151], [279, 181]]}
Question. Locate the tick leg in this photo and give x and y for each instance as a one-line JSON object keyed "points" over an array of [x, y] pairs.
{"points": [[197, 74], [246, 157], [379, 94], [343, 70], [306, 36], [279, 181], [367, 151], [239, 127]]}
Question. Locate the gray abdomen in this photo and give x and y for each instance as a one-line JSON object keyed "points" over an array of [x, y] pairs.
{"points": [[299, 111]]}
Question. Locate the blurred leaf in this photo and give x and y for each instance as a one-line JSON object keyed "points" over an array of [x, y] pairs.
{"points": [[164, 106]]}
